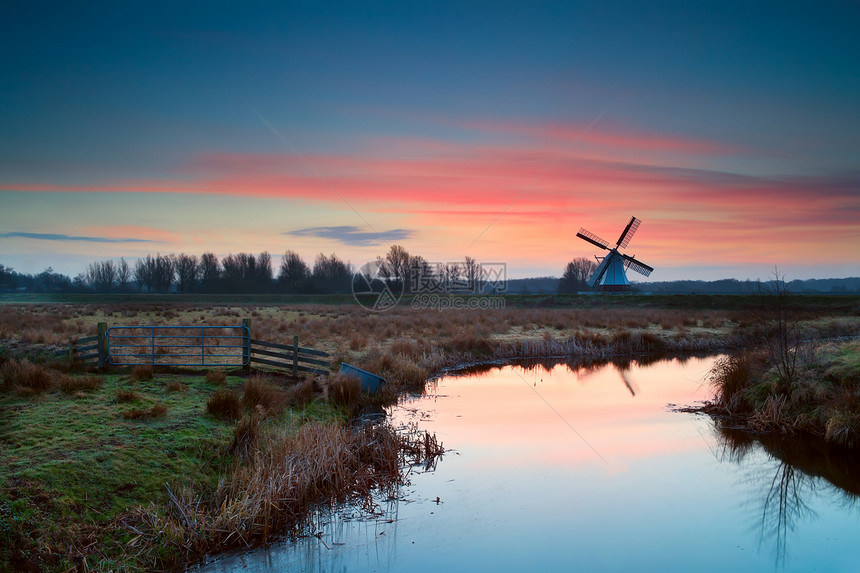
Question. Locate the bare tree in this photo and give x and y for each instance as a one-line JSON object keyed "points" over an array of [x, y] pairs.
{"points": [[472, 274], [263, 272], [331, 274], [101, 275], [187, 272], [398, 265], [294, 273], [575, 275], [210, 272], [123, 275]]}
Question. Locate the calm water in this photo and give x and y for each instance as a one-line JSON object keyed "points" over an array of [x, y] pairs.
{"points": [[584, 469]]}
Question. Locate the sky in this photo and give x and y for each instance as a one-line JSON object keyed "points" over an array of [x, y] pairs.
{"points": [[494, 130]]}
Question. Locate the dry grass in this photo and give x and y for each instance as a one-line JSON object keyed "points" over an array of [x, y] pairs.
{"points": [[224, 404], [216, 377], [260, 392], [27, 378], [344, 391], [73, 384], [127, 395], [175, 386], [142, 372], [157, 410], [281, 475], [822, 400], [301, 394]]}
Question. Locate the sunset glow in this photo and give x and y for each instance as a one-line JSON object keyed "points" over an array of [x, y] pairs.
{"points": [[190, 135]]}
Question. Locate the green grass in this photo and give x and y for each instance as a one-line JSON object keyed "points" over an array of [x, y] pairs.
{"points": [[70, 465]]}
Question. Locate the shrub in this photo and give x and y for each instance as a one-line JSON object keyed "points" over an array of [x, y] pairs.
{"points": [[261, 392], [72, 384], [158, 410], [224, 404], [174, 386], [301, 394], [127, 395], [216, 377], [344, 391], [27, 378], [142, 372]]}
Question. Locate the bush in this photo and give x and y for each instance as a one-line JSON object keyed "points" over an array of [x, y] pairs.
{"points": [[261, 392], [224, 404], [27, 378], [142, 372], [127, 395], [344, 391], [216, 377], [72, 384], [158, 410], [174, 386], [301, 394]]}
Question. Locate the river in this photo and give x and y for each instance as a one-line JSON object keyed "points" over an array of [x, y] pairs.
{"points": [[559, 467]]}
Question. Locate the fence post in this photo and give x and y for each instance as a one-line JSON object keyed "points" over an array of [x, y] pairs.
{"points": [[295, 356], [102, 344], [246, 351]]}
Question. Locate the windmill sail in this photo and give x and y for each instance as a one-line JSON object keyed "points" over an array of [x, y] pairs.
{"points": [[628, 232], [592, 238], [638, 266]]}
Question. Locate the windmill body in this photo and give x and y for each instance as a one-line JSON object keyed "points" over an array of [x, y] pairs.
{"points": [[611, 273]]}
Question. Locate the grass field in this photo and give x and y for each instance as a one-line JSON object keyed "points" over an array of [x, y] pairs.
{"points": [[103, 471]]}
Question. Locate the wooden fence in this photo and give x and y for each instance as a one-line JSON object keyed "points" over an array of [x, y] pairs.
{"points": [[191, 346]]}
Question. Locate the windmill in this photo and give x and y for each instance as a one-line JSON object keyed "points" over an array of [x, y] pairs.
{"points": [[611, 273]]}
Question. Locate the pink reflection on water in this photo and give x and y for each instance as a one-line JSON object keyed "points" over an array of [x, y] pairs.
{"points": [[513, 417]]}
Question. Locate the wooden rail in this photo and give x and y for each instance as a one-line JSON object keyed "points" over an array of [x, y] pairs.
{"points": [[101, 351], [291, 357]]}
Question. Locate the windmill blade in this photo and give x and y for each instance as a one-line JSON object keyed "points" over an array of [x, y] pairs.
{"points": [[598, 272], [593, 239], [631, 386], [628, 232], [637, 266]]}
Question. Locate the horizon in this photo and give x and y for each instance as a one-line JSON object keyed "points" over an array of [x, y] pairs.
{"points": [[494, 131]]}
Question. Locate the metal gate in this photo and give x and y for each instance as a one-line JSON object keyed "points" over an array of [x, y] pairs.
{"points": [[179, 345]]}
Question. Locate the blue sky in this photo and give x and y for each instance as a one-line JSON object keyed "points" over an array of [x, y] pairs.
{"points": [[494, 130]]}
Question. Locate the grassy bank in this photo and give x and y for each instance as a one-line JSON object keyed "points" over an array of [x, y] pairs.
{"points": [[821, 398], [135, 471]]}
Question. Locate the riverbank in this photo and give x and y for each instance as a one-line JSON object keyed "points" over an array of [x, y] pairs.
{"points": [[818, 396]]}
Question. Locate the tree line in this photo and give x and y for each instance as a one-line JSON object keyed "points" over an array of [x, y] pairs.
{"points": [[249, 273]]}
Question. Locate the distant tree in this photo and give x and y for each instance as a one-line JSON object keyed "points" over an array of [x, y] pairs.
{"points": [[101, 275], [123, 275], [187, 272], [575, 275], [331, 274], [472, 274], [294, 274], [155, 274], [397, 267], [422, 276], [263, 272], [452, 274], [143, 273], [210, 272]]}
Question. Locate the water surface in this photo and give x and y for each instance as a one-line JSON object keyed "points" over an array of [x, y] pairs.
{"points": [[578, 468]]}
